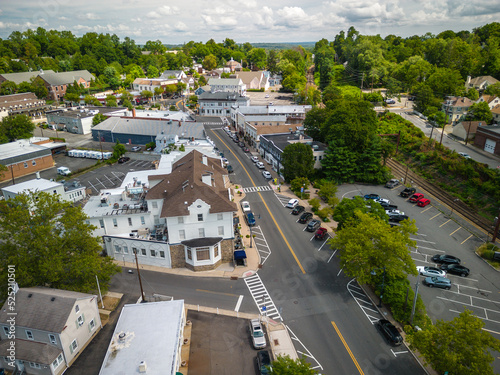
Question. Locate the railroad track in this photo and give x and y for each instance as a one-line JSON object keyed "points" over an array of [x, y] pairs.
{"points": [[456, 204]]}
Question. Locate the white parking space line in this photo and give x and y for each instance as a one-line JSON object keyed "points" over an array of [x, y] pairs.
{"points": [[349, 192], [486, 319], [100, 182], [112, 183], [93, 187], [324, 243], [238, 304], [429, 248], [396, 353], [428, 208], [370, 311], [339, 271], [307, 353], [329, 259], [419, 240]]}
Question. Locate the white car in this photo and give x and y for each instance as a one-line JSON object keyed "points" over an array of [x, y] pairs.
{"points": [[267, 175], [255, 159], [258, 338], [464, 155], [136, 148], [267, 95], [430, 271], [382, 200], [394, 212], [292, 203], [245, 206], [260, 165]]}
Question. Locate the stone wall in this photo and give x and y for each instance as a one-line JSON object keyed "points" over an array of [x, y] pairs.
{"points": [[178, 256]]}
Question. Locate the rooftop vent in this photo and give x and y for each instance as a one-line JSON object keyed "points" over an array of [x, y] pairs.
{"points": [[53, 299], [121, 336], [142, 366]]}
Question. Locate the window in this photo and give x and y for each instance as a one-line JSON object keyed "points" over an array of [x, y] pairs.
{"points": [[143, 221], [57, 361], [117, 249], [35, 365], [33, 162], [91, 325], [201, 232], [101, 223], [221, 231], [200, 217], [180, 220], [73, 346], [125, 249], [80, 320], [143, 252], [115, 223], [216, 250], [155, 204], [77, 309], [315, 157], [162, 254], [220, 216], [189, 253], [52, 339], [29, 335], [134, 250], [25, 165], [157, 219], [182, 234], [153, 253], [203, 253], [6, 330], [129, 221]]}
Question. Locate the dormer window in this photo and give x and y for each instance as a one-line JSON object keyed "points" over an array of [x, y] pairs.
{"points": [[77, 309], [200, 217]]}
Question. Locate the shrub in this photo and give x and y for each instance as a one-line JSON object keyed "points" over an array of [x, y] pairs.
{"points": [[315, 204], [325, 213]]}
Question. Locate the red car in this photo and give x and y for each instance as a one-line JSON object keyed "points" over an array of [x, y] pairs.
{"points": [[416, 197], [423, 202], [320, 234]]}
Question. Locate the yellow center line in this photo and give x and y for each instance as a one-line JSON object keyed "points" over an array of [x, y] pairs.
{"points": [[348, 349], [224, 294], [446, 222], [265, 204], [456, 230], [465, 240], [428, 208], [435, 216]]}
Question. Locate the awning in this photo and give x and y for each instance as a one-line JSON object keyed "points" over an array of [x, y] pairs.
{"points": [[240, 254]]}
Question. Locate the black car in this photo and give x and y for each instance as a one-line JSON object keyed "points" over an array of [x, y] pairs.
{"points": [[263, 362], [446, 259], [455, 269], [229, 168], [123, 159], [388, 206], [397, 218], [313, 225], [297, 210], [306, 216], [407, 192], [390, 332]]}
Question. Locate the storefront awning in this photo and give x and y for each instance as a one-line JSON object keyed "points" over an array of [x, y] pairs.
{"points": [[240, 254]]}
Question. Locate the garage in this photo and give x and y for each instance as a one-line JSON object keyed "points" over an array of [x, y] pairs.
{"points": [[489, 146]]}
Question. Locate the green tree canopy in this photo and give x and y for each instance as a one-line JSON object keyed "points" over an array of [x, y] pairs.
{"points": [[118, 150], [49, 241], [284, 365], [459, 347], [16, 127], [479, 112], [297, 161], [210, 62], [346, 209], [98, 118]]}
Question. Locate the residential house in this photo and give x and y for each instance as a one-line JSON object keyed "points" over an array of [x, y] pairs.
{"points": [[148, 338], [18, 78], [466, 130], [77, 121], [200, 90], [219, 103], [164, 140], [456, 108], [47, 328], [150, 84], [480, 83], [233, 66], [176, 216], [491, 100], [173, 74], [495, 111], [488, 138], [232, 85], [256, 80], [22, 104], [275, 80], [57, 83], [271, 147]]}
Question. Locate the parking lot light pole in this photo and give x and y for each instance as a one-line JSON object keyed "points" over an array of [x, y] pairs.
{"points": [[382, 286], [415, 299]]}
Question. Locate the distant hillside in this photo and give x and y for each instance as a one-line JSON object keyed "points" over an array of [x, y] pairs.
{"points": [[276, 46]]}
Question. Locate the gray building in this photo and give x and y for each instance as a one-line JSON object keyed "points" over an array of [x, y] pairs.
{"points": [[77, 121]]}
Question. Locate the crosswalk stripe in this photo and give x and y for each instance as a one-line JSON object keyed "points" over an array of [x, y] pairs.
{"points": [[254, 189], [261, 297]]}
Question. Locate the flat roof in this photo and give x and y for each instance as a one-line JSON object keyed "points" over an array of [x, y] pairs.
{"points": [[118, 202], [152, 334], [272, 109], [21, 150], [40, 184]]}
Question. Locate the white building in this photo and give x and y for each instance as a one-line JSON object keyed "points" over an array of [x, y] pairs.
{"points": [[234, 85], [220, 103], [148, 339]]}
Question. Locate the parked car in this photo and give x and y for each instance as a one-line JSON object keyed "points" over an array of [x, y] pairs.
{"points": [[392, 183], [246, 149], [430, 271], [407, 192], [263, 362], [387, 206], [383, 200], [390, 101], [63, 171], [445, 259], [267, 175], [397, 218], [390, 332], [255, 159], [455, 269], [313, 225], [136, 148], [260, 165], [321, 234], [250, 219], [464, 155], [236, 140], [423, 202], [416, 197], [123, 159], [292, 203], [245, 206], [257, 334], [241, 144], [305, 217], [394, 212], [438, 282], [371, 196], [229, 168], [297, 210]]}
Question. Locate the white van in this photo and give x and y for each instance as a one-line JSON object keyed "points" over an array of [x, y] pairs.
{"points": [[63, 171]]}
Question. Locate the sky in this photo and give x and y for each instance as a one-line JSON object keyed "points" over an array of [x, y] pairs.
{"points": [[254, 21]]}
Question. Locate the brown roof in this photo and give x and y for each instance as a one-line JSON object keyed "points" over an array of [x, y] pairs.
{"points": [[461, 102], [31, 351], [187, 173], [20, 99], [472, 125], [496, 109]]}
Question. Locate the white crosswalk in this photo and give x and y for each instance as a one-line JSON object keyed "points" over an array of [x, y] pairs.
{"points": [[255, 189], [363, 301], [261, 297]]}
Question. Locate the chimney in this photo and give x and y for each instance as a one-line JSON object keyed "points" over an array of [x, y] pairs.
{"points": [[206, 179], [133, 112], [204, 160], [143, 367], [37, 175]]}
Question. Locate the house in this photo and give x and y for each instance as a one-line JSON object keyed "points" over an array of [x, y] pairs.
{"points": [[164, 140], [200, 90], [149, 84], [77, 121], [480, 83], [17, 78], [466, 129], [456, 107], [219, 103], [148, 338], [49, 330], [272, 145], [257, 80], [72, 192], [22, 104], [275, 80], [173, 74], [495, 111], [232, 85], [233, 66], [491, 100], [57, 83], [488, 138], [179, 216]]}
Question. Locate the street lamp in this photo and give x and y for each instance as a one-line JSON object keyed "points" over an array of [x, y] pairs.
{"points": [[383, 283]]}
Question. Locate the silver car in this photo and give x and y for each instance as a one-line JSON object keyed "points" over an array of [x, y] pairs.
{"points": [[430, 271], [258, 338]]}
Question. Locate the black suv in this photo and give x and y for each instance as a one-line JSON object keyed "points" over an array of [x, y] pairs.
{"points": [[297, 210], [407, 192], [263, 361], [390, 332], [397, 218], [306, 216], [313, 225]]}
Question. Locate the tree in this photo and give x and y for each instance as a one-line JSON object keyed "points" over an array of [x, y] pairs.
{"points": [[111, 101], [458, 347], [366, 242], [158, 91], [146, 94], [8, 88], [153, 71], [72, 97], [479, 112], [297, 161], [493, 89], [472, 94], [98, 118], [257, 58], [118, 150], [209, 62], [17, 127], [328, 192], [88, 99], [346, 209], [284, 365], [51, 244]]}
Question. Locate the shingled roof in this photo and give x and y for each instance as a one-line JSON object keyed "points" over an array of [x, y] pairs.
{"points": [[188, 172], [31, 351]]}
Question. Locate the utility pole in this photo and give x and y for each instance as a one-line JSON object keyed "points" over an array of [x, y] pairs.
{"points": [[497, 226], [361, 86], [468, 132], [12, 173], [415, 299], [139, 275], [100, 145]]}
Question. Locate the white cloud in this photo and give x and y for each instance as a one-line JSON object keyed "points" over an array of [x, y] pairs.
{"points": [[62, 18], [180, 26], [89, 16], [164, 10], [264, 17], [294, 17]]}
